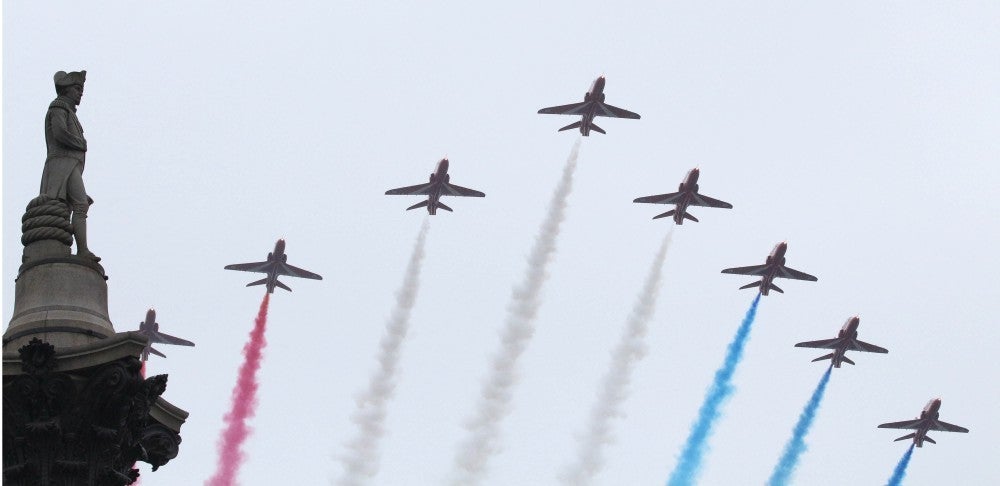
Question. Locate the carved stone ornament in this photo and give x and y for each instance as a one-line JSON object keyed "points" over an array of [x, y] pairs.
{"points": [[85, 427]]}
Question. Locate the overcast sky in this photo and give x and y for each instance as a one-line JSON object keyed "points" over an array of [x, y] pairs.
{"points": [[865, 134]]}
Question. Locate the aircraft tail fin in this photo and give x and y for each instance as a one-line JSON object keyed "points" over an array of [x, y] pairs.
{"points": [[928, 439], [597, 129], [907, 436], [847, 360], [443, 206], [825, 356], [775, 287], [258, 282], [418, 205], [277, 283], [751, 285], [664, 215], [688, 215], [571, 126]]}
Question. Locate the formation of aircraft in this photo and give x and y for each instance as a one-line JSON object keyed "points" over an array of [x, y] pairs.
{"points": [[846, 340], [151, 329], [927, 421], [593, 105], [439, 185], [276, 265], [686, 195], [772, 268]]}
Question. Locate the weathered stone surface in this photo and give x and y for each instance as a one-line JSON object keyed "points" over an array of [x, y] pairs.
{"points": [[62, 301], [86, 427]]}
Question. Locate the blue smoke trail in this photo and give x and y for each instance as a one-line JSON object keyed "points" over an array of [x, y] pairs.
{"points": [[689, 465], [900, 472], [797, 444]]}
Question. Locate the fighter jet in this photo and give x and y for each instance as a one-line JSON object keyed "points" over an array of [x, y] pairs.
{"points": [[151, 330], [275, 266], [438, 186], [593, 105], [845, 341], [687, 195], [772, 268], [927, 421]]}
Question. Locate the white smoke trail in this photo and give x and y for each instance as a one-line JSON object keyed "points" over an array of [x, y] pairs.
{"points": [[362, 460], [494, 403], [630, 350]]}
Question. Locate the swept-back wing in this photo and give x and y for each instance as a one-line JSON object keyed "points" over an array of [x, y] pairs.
{"points": [[823, 343], [159, 337], [795, 274], [293, 271], [571, 109], [454, 190], [700, 200], [262, 267], [866, 347], [604, 109], [906, 424], [671, 198], [154, 351], [417, 190], [758, 270], [946, 427]]}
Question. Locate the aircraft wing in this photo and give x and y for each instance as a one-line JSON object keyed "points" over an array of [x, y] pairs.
{"points": [[417, 190], [671, 198], [571, 109], [699, 200], [453, 190], [293, 271], [906, 424], [604, 109], [758, 270], [945, 426], [795, 274], [823, 343], [866, 347], [159, 337], [261, 267]]}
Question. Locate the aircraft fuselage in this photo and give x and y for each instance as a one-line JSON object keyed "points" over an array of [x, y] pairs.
{"points": [[775, 260], [687, 188], [439, 176], [929, 413], [595, 93], [278, 255]]}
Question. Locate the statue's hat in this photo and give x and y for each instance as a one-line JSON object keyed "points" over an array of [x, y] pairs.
{"points": [[63, 79]]}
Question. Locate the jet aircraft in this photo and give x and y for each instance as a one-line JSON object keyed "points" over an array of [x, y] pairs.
{"points": [[772, 268], [687, 195], [927, 421], [151, 330], [593, 105], [438, 186], [847, 340], [275, 266]]}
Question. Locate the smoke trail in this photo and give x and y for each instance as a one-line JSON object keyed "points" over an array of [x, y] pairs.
{"points": [[244, 405], [494, 402], [361, 461], [689, 464], [782, 473], [629, 351], [900, 472]]}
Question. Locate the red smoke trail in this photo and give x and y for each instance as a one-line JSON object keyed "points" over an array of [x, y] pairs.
{"points": [[244, 405]]}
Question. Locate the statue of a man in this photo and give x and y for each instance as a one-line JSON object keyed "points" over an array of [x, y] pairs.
{"points": [[66, 148]]}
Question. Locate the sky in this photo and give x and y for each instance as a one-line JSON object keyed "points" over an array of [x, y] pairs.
{"points": [[862, 133]]}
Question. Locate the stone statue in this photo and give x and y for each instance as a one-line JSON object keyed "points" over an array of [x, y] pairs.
{"points": [[66, 151]]}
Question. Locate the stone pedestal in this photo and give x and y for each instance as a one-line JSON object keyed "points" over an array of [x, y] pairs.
{"points": [[62, 301]]}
